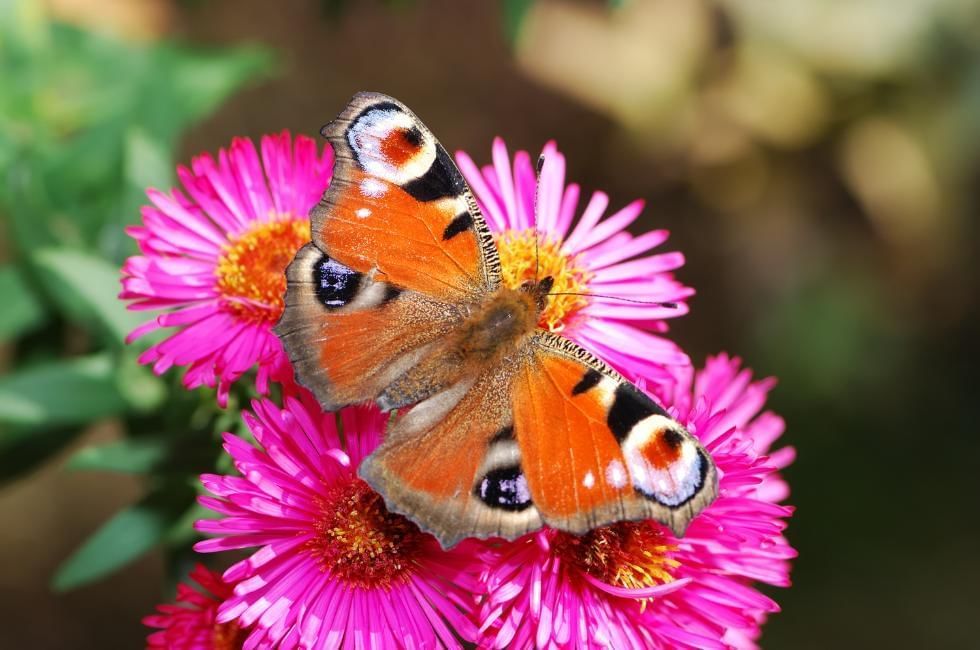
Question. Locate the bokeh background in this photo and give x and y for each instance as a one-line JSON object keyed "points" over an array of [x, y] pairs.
{"points": [[818, 162]]}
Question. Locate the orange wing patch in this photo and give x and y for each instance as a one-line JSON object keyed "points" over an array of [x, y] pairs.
{"points": [[398, 204], [347, 335], [596, 450], [573, 464], [359, 350], [371, 223], [442, 464], [401, 146]]}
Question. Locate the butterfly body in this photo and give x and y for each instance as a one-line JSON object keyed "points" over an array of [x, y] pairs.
{"points": [[498, 325], [501, 426]]}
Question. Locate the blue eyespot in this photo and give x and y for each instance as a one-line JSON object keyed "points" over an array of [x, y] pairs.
{"points": [[336, 285], [505, 488]]}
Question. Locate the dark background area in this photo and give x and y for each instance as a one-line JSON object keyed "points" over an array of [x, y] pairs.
{"points": [[818, 163]]}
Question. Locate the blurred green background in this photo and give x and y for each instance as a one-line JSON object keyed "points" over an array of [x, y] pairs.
{"points": [[818, 161]]}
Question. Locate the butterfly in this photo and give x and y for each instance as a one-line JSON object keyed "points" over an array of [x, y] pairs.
{"points": [[502, 427]]}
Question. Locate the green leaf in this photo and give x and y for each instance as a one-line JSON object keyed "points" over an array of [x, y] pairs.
{"points": [[125, 537], [147, 162], [515, 11], [128, 456], [87, 121], [85, 287], [73, 391], [20, 310]]}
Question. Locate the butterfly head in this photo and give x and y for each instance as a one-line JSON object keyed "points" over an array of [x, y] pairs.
{"points": [[539, 290]]}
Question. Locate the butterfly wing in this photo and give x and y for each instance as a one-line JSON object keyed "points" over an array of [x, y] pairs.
{"points": [[398, 204], [399, 247], [349, 335], [452, 465], [550, 435], [596, 450]]}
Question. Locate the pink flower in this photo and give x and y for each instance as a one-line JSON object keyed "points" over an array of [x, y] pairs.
{"points": [[596, 256], [214, 256], [634, 585], [190, 623], [334, 567]]}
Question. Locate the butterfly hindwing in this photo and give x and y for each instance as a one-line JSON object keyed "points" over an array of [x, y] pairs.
{"points": [[452, 464], [548, 435], [397, 203], [595, 449]]}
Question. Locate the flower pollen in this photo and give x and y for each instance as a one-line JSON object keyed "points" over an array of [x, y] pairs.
{"points": [[629, 554], [520, 258], [252, 269], [359, 541]]}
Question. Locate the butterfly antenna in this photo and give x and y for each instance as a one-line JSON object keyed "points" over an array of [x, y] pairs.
{"points": [[537, 193], [667, 305]]}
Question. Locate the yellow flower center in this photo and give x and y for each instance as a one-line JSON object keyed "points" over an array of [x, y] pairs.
{"points": [[252, 269], [629, 554], [359, 541], [521, 259]]}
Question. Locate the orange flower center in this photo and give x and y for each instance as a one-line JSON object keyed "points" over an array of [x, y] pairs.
{"points": [[228, 636], [629, 554], [252, 269], [359, 541], [522, 260]]}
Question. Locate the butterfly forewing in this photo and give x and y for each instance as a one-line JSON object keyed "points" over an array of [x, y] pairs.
{"points": [[397, 203], [349, 335]]}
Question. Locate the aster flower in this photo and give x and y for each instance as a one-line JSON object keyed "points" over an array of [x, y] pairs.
{"points": [[334, 567], [214, 255], [635, 585], [592, 255], [190, 623]]}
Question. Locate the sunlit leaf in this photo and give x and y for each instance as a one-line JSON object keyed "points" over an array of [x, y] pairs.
{"points": [[147, 160], [88, 120]]}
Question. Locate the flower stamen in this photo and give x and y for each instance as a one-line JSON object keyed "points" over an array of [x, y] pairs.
{"points": [[251, 272], [629, 554], [521, 256], [359, 541]]}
